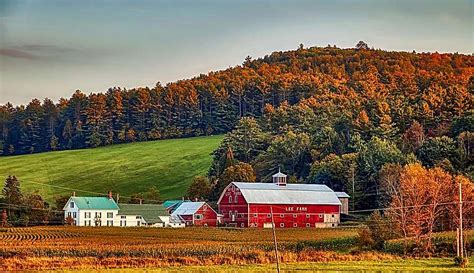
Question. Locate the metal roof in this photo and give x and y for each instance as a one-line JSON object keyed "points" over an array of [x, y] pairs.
{"points": [[342, 194], [94, 203], [279, 174], [149, 212], [270, 193], [187, 208]]}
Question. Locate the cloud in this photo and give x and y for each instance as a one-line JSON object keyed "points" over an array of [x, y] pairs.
{"points": [[16, 53], [33, 51]]}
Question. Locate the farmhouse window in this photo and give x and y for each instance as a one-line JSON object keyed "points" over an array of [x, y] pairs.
{"points": [[138, 217], [74, 214], [282, 224], [198, 216], [98, 215], [110, 215], [68, 214], [110, 223], [88, 223], [123, 217], [87, 215], [71, 205]]}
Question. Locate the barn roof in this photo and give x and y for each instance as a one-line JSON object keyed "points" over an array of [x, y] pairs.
{"points": [[270, 193], [94, 203], [187, 208], [342, 194], [149, 212]]}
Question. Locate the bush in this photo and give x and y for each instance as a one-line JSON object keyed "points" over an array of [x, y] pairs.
{"points": [[461, 262]]}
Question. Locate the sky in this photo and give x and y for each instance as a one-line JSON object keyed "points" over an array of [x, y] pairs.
{"points": [[52, 48]]}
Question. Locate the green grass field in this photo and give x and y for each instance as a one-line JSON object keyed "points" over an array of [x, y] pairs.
{"points": [[170, 165]]}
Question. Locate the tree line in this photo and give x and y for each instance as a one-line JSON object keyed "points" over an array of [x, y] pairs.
{"points": [[377, 92]]}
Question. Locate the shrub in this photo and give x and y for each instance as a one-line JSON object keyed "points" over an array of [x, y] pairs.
{"points": [[460, 261]]}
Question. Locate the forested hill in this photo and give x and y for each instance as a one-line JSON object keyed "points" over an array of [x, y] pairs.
{"points": [[374, 92]]}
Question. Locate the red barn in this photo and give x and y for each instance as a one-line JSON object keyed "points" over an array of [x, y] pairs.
{"points": [[245, 204], [195, 214]]}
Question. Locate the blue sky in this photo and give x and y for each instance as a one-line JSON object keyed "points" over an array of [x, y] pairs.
{"points": [[51, 48]]}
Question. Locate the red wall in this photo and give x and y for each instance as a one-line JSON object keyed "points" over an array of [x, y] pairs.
{"points": [[289, 215], [209, 216], [238, 209]]}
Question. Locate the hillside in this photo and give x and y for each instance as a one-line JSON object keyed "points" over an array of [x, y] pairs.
{"points": [[170, 165], [380, 88]]}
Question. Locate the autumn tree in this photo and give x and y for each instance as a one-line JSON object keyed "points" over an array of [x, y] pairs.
{"points": [[240, 172], [418, 200], [199, 188]]}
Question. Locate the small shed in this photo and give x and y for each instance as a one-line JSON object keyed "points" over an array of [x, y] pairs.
{"points": [[344, 198], [195, 214]]}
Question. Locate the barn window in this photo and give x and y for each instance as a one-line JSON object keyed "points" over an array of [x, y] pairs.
{"points": [[269, 215], [230, 199], [242, 224], [295, 225], [320, 215], [230, 214], [236, 199], [332, 216], [255, 215], [282, 215], [282, 224], [308, 225], [241, 215], [204, 207], [138, 223], [294, 215], [71, 205], [198, 216], [205, 224], [307, 215]]}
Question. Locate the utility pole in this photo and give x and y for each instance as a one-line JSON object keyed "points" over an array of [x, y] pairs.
{"points": [[461, 245], [275, 241]]}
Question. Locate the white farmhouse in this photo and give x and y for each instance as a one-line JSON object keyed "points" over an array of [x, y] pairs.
{"points": [[91, 211]]}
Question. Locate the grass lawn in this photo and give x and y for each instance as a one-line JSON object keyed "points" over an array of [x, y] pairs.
{"points": [[401, 265], [170, 165]]}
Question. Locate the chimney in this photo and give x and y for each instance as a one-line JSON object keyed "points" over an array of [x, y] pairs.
{"points": [[73, 193], [110, 195]]}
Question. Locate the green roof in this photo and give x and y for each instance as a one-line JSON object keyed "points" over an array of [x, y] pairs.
{"points": [[94, 203], [149, 212]]}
